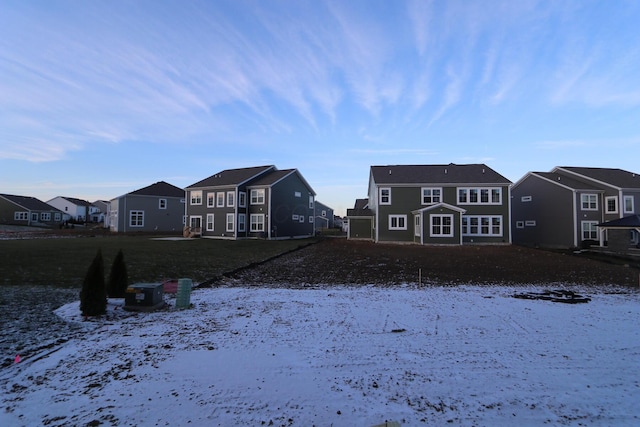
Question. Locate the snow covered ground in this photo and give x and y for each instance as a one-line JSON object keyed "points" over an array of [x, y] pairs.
{"points": [[340, 356]]}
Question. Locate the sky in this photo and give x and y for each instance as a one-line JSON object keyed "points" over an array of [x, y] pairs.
{"points": [[101, 98]]}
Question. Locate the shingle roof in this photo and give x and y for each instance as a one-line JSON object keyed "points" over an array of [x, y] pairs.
{"points": [[29, 203], [77, 202], [360, 208], [160, 189], [437, 174], [616, 177], [232, 176], [565, 180], [275, 175], [626, 222]]}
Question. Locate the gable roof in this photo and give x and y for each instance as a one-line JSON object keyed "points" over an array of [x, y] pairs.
{"points": [[274, 176], [229, 177], [159, 189], [437, 174], [631, 221], [614, 177], [77, 202], [360, 208], [565, 180], [29, 203]]}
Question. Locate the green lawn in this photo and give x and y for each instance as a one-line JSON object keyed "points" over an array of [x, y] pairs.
{"points": [[64, 261]]}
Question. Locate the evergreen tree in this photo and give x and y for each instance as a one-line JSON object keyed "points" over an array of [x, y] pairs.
{"points": [[93, 297], [118, 278]]}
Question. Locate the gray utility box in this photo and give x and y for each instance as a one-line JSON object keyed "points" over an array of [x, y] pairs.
{"points": [[144, 296]]}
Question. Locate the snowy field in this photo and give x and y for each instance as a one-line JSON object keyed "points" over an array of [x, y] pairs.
{"points": [[340, 356]]}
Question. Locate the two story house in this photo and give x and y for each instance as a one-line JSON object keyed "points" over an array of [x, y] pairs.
{"points": [[26, 210], [563, 208], [253, 202], [358, 223], [75, 209], [439, 204], [157, 207], [324, 217]]}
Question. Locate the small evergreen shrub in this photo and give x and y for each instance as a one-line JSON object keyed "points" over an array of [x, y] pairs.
{"points": [[118, 278], [93, 297]]}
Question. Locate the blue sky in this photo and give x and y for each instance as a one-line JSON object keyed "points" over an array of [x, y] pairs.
{"points": [[100, 98]]}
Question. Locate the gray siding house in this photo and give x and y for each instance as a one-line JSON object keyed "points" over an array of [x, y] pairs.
{"points": [[25, 210], [157, 207], [563, 208], [324, 218], [253, 202], [439, 204]]}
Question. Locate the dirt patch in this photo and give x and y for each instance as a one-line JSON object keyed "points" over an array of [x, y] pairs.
{"points": [[342, 261]]}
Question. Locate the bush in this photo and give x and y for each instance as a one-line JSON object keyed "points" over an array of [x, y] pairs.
{"points": [[118, 278], [93, 297]]}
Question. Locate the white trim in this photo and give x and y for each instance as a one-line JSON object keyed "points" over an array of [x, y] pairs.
{"points": [[624, 204], [231, 199], [441, 225], [401, 222], [431, 196], [212, 222], [607, 199], [230, 223], [388, 196], [195, 197], [588, 202]]}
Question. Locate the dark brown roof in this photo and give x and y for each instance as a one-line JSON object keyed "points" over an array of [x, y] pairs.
{"points": [[615, 177], [229, 177], [359, 212], [160, 189], [437, 174], [30, 203]]}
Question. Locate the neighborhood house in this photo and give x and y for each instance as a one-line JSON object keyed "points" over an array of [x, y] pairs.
{"points": [[254, 202]]}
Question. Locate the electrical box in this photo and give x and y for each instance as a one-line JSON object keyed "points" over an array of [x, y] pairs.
{"points": [[144, 297]]}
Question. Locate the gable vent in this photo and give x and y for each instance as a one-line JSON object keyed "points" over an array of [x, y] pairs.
{"points": [[445, 171]]}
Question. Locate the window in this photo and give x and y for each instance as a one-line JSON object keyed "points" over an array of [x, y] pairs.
{"points": [[231, 199], [21, 216], [431, 196], [301, 218], [487, 225], [530, 223], [416, 225], [525, 199], [397, 222], [220, 199], [184, 219], [612, 204], [196, 197], [257, 197], [589, 202], [441, 225], [210, 222], [57, 217], [45, 216], [195, 222], [294, 217], [241, 222], [211, 200], [479, 196], [297, 194], [162, 204], [519, 224], [230, 222], [589, 230], [257, 223], [136, 218], [34, 216], [310, 219], [310, 202], [385, 196], [628, 204], [242, 199], [324, 213]]}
